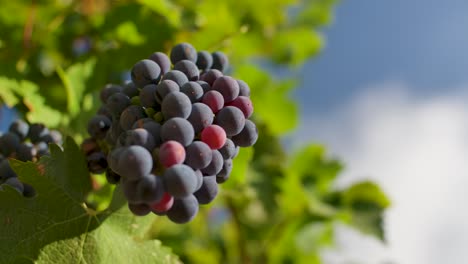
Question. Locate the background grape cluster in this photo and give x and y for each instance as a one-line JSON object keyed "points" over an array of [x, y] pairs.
{"points": [[26, 143], [170, 135]]}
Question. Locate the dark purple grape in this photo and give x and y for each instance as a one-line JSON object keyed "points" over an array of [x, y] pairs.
{"points": [[36, 132], [183, 51], [134, 162], [204, 85], [215, 165], [228, 150], [225, 172], [98, 126], [199, 175], [104, 111], [220, 61], [146, 189], [112, 177], [178, 129], [162, 60], [180, 180], [198, 155], [28, 191], [152, 127], [42, 149], [244, 104], [5, 170], [207, 191], [137, 136], [147, 97], [140, 209], [183, 210], [244, 89], [177, 76], [248, 136], [9, 143], [113, 158], [204, 60], [164, 88], [188, 68], [210, 76], [114, 133], [176, 104], [15, 183], [130, 115], [231, 119], [117, 103], [20, 128], [97, 162], [193, 90], [145, 72], [228, 87], [109, 90], [26, 152], [130, 89], [200, 117]]}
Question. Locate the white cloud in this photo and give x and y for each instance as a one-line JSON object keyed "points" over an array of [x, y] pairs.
{"points": [[417, 149]]}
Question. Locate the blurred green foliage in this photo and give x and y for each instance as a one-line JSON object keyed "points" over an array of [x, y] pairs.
{"points": [[277, 207]]}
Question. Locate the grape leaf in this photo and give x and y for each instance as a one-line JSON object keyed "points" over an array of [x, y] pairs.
{"points": [[56, 226]]}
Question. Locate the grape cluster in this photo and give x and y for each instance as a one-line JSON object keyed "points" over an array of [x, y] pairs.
{"points": [[26, 143], [169, 136]]}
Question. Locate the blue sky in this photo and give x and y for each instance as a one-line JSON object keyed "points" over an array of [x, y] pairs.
{"points": [[389, 97], [421, 42]]}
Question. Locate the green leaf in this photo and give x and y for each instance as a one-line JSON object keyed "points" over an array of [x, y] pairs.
{"points": [[365, 203], [165, 8], [240, 167], [74, 80], [127, 32], [56, 226], [306, 43], [271, 99], [27, 93]]}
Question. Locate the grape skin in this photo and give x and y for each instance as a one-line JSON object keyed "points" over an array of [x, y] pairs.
{"points": [[6, 171], [210, 76], [198, 155], [28, 191], [162, 60], [117, 103], [152, 127], [109, 90], [9, 142], [176, 104], [228, 150], [225, 172], [183, 51], [208, 191], [220, 61], [200, 117], [228, 87], [214, 100], [193, 90], [178, 129], [145, 72], [147, 98], [183, 210], [188, 68], [248, 136], [20, 128], [98, 126], [204, 60], [180, 180], [26, 152], [162, 206], [231, 119], [204, 85], [244, 104], [214, 136], [130, 89], [244, 89], [130, 115], [215, 165], [137, 136], [164, 88], [36, 132], [171, 153], [112, 177], [15, 183], [177, 76], [139, 209], [134, 162], [97, 162]]}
